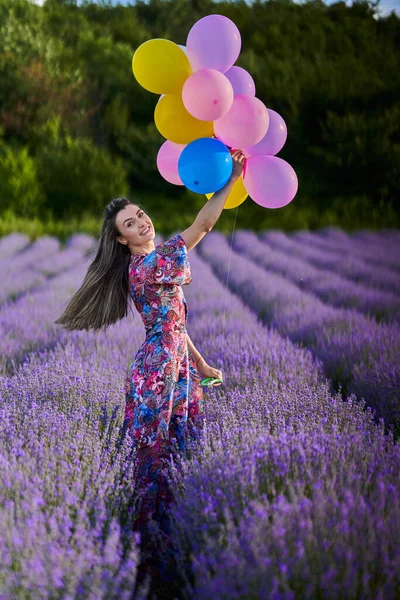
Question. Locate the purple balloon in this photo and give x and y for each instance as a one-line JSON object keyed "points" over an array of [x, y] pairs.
{"points": [[213, 42], [270, 181], [273, 140], [241, 80]]}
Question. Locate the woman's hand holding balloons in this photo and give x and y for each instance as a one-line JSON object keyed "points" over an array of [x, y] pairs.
{"points": [[238, 193], [238, 159]]}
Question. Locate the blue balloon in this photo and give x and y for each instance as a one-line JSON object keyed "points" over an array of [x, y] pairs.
{"points": [[205, 165]]}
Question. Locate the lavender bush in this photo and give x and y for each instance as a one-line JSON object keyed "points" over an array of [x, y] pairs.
{"points": [[306, 513], [64, 483], [12, 243]]}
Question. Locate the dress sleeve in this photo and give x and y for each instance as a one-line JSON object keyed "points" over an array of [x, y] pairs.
{"points": [[168, 263]]}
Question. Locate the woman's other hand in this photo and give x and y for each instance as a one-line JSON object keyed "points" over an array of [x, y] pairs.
{"points": [[206, 371]]}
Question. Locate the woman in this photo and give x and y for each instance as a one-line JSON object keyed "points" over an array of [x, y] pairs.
{"points": [[164, 398]]}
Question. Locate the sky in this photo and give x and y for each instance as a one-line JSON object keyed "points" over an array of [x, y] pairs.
{"points": [[386, 6]]}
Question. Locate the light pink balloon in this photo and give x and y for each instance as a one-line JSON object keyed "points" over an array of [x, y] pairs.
{"points": [[167, 161], [273, 140], [213, 42], [270, 181], [245, 124], [207, 94], [241, 80]]}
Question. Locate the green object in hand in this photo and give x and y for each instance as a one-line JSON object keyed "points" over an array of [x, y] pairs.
{"points": [[209, 381]]}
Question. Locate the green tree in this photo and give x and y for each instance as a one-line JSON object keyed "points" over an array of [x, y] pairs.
{"points": [[20, 192], [76, 176]]}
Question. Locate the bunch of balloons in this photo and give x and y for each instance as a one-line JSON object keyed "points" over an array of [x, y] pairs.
{"points": [[207, 107]]}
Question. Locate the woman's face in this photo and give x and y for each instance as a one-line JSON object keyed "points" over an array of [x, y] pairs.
{"points": [[136, 229]]}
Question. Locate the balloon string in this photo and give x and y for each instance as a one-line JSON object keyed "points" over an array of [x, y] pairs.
{"points": [[229, 268]]}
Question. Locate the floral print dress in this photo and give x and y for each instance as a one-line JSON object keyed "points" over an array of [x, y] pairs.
{"points": [[164, 397]]}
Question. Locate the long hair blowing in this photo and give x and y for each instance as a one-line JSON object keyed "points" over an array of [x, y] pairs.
{"points": [[104, 295]]}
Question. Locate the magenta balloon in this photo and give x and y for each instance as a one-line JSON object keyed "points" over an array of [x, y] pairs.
{"points": [[167, 161], [241, 80], [245, 124], [213, 42], [270, 181], [207, 94], [273, 140]]}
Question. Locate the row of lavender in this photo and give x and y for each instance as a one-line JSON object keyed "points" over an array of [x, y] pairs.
{"points": [[358, 353], [341, 260], [379, 248], [294, 260], [25, 266], [284, 469]]}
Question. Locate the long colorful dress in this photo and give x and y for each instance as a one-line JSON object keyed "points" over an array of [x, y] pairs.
{"points": [[164, 397]]}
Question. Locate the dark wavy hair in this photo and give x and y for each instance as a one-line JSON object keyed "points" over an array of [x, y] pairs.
{"points": [[104, 296]]}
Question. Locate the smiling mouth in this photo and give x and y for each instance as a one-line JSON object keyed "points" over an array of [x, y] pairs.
{"points": [[146, 231]]}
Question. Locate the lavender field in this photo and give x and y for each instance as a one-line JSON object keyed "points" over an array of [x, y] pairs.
{"points": [[294, 490]]}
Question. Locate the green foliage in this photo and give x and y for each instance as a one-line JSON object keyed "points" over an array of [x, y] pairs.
{"points": [[79, 130], [366, 161], [20, 192], [76, 175]]}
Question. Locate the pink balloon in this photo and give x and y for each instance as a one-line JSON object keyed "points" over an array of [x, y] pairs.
{"points": [[241, 80], [245, 124], [213, 42], [270, 181], [207, 94], [167, 161], [273, 140]]}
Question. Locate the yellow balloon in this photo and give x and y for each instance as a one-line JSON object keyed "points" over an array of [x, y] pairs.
{"points": [[161, 66], [176, 124], [237, 195]]}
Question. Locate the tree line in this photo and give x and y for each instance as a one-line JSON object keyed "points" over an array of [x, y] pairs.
{"points": [[76, 129]]}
